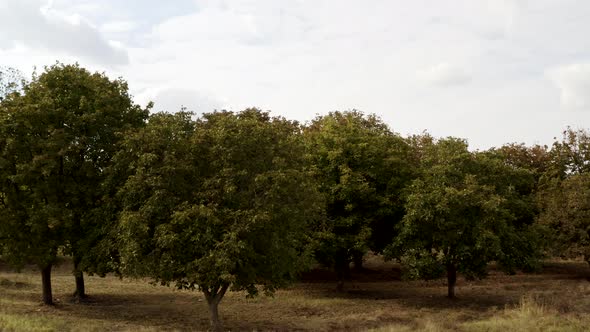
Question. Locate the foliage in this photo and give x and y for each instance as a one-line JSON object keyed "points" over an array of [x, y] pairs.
{"points": [[58, 137], [11, 80], [566, 210], [31, 228], [361, 167], [565, 194], [421, 264], [221, 203], [464, 211], [571, 155], [536, 158]]}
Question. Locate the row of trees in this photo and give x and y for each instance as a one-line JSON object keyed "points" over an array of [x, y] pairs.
{"points": [[245, 201]]}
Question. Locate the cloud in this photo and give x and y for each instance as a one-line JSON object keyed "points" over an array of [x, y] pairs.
{"points": [[29, 23], [306, 57], [118, 27], [174, 99], [244, 22], [444, 74], [573, 82]]}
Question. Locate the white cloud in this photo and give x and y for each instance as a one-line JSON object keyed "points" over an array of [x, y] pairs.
{"points": [[175, 99], [38, 27], [303, 57], [118, 27], [444, 74], [573, 82], [243, 22]]}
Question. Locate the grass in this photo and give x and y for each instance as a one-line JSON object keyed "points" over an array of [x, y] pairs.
{"points": [[530, 315], [556, 299]]}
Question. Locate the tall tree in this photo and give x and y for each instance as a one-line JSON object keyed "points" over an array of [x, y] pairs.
{"points": [[565, 195], [220, 204], [61, 135], [361, 167], [461, 213], [32, 229]]}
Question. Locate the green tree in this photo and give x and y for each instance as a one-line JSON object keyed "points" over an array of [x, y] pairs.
{"points": [[361, 167], [11, 80], [564, 195], [536, 158], [571, 155], [220, 204], [32, 228], [463, 212], [566, 211], [60, 135]]}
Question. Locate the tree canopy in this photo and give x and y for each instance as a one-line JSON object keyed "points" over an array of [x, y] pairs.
{"points": [[58, 137], [220, 203], [462, 213], [564, 197], [361, 167], [244, 201], [11, 80]]}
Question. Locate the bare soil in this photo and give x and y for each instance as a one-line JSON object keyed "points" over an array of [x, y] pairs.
{"points": [[375, 298]]}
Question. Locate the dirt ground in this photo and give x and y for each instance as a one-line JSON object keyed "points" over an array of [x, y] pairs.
{"points": [[374, 299]]}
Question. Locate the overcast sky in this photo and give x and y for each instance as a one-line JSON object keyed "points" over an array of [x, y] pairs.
{"points": [[492, 71]]}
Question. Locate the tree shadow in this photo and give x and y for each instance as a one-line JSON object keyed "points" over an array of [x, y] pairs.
{"points": [[366, 275], [417, 297], [174, 311], [567, 270], [497, 291], [161, 311], [11, 284], [187, 310]]}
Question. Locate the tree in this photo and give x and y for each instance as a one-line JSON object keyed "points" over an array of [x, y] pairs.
{"points": [[571, 155], [461, 213], [31, 228], [220, 204], [536, 158], [565, 194], [361, 167], [11, 80], [60, 135], [566, 211]]}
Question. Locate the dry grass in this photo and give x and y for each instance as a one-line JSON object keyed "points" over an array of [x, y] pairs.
{"points": [[557, 299]]}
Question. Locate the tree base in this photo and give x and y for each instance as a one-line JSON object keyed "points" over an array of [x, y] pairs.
{"points": [[80, 299], [340, 286]]}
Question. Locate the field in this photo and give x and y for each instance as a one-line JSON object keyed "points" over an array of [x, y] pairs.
{"points": [[555, 299]]}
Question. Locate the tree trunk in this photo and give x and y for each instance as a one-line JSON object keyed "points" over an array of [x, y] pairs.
{"points": [[340, 267], [214, 312], [80, 292], [340, 282], [46, 281], [213, 299], [451, 280], [357, 259], [346, 268]]}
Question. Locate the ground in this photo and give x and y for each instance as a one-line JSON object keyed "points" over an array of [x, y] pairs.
{"points": [[554, 299]]}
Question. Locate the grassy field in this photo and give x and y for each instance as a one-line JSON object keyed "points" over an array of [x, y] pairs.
{"points": [[556, 299]]}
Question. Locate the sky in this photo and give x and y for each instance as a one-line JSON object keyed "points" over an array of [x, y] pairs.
{"points": [[490, 71]]}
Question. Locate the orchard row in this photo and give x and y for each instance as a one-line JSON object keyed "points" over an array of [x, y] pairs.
{"points": [[246, 201]]}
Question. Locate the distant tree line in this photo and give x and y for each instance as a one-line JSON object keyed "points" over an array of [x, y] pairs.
{"points": [[244, 201]]}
